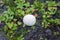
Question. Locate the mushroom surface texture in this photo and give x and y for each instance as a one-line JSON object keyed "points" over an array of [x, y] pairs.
{"points": [[29, 20]]}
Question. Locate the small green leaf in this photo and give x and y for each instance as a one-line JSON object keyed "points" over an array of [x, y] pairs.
{"points": [[10, 25], [20, 5], [19, 23], [27, 4]]}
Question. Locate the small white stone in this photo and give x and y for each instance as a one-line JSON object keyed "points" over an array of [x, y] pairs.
{"points": [[29, 20]]}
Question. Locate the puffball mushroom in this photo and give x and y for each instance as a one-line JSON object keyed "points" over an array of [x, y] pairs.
{"points": [[29, 20]]}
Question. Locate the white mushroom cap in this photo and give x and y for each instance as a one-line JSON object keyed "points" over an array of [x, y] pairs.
{"points": [[29, 20]]}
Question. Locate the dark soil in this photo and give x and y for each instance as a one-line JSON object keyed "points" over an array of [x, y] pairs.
{"points": [[2, 24], [2, 8]]}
